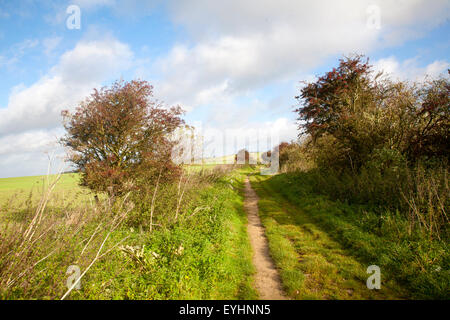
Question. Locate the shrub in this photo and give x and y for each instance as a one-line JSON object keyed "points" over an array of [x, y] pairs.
{"points": [[377, 142], [119, 137], [350, 114], [293, 156]]}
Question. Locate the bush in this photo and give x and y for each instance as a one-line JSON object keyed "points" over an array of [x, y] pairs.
{"points": [[120, 139], [351, 115], [374, 141], [294, 156], [374, 234]]}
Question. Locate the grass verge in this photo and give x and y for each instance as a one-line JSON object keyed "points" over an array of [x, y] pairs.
{"points": [[419, 266], [205, 255], [312, 264]]}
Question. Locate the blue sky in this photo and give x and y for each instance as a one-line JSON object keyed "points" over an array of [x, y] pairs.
{"points": [[235, 66]]}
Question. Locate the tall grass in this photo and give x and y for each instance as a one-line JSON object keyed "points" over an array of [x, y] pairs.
{"points": [[373, 235], [36, 246], [419, 194], [134, 240], [428, 199], [389, 212]]}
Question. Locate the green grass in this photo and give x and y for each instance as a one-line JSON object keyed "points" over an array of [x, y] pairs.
{"points": [[321, 247], [193, 168], [215, 262], [19, 188], [68, 180], [312, 264], [342, 236]]}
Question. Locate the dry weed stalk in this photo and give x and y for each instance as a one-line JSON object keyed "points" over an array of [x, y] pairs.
{"points": [[180, 195], [24, 245], [152, 207], [427, 202]]}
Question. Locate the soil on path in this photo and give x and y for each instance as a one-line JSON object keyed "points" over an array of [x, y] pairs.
{"points": [[267, 279]]}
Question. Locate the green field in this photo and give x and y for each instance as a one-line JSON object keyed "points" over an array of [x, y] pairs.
{"points": [[19, 189]]}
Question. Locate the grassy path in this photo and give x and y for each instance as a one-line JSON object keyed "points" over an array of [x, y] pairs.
{"points": [[312, 265], [267, 279]]}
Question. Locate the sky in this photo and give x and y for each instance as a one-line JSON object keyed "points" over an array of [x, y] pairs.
{"points": [[235, 66]]}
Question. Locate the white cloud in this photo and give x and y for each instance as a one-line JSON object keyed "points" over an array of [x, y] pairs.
{"points": [[93, 3], [31, 141], [240, 47], [17, 51], [31, 122], [30, 153], [78, 71], [409, 69], [234, 17], [248, 62], [250, 44], [437, 68], [21, 47], [236, 49], [254, 136]]}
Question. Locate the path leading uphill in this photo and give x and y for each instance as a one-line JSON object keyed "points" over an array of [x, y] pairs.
{"points": [[267, 279]]}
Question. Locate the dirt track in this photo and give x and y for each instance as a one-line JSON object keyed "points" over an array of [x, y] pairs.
{"points": [[267, 279]]}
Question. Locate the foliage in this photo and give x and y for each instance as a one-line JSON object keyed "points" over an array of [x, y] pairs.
{"points": [[430, 134], [372, 170], [379, 142], [204, 255], [120, 138], [349, 113], [412, 264], [293, 156], [312, 263]]}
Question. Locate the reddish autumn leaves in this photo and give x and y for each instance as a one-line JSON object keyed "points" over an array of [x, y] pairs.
{"points": [[120, 137], [322, 103], [432, 136], [358, 112]]}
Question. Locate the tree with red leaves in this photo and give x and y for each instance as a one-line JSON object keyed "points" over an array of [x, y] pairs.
{"points": [[323, 103], [120, 137], [336, 106], [353, 115], [431, 134]]}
